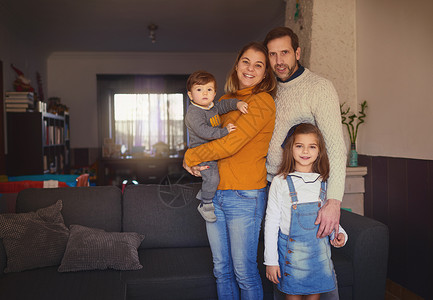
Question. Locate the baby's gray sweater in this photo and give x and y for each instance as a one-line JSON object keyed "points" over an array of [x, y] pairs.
{"points": [[204, 125]]}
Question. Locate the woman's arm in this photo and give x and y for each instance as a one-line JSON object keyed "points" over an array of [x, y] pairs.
{"points": [[261, 112]]}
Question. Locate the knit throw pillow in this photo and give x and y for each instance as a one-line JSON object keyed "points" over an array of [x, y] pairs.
{"points": [[34, 239], [91, 248]]}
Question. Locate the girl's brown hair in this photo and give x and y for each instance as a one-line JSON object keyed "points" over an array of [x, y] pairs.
{"points": [[321, 165], [268, 84]]}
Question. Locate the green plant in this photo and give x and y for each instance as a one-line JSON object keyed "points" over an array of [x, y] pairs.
{"points": [[352, 121]]}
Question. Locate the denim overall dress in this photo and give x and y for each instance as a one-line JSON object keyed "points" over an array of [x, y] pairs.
{"points": [[305, 261]]}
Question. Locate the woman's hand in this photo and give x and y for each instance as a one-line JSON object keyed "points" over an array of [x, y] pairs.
{"points": [[273, 273], [195, 170]]}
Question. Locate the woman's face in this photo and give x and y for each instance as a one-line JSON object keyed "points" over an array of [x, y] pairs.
{"points": [[251, 68]]}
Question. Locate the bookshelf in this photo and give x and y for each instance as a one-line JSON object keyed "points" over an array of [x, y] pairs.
{"points": [[37, 143]]}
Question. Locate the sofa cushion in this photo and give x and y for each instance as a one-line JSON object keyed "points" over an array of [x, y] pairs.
{"points": [[47, 283], [34, 239], [91, 248], [166, 214], [187, 271], [95, 206]]}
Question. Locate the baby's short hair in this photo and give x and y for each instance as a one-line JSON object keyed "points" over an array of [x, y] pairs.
{"points": [[200, 77]]}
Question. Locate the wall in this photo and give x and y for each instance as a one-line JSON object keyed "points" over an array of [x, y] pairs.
{"points": [[15, 48], [299, 18], [23, 55], [326, 34], [333, 52], [72, 77], [399, 193], [395, 69], [379, 51]]}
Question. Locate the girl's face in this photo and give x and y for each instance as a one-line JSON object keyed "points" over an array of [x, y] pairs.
{"points": [[305, 152], [251, 68]]}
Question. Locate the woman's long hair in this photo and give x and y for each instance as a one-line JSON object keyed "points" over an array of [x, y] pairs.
{"points": [[268, 84], [321, 165]]}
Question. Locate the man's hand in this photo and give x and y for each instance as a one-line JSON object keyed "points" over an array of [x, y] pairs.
{"points": [[328, 218], [195, 170]]}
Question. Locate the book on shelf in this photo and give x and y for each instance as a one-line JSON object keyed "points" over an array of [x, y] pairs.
{"points": [[45, 163], [19, 98], [17, 105], [19, 101], [22, 109], [20, 95]]}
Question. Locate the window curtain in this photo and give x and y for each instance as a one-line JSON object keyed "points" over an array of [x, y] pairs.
{"points": [[142, 120]]}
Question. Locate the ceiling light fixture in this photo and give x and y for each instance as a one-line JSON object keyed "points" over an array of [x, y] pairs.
{"points": [[152, 27]]}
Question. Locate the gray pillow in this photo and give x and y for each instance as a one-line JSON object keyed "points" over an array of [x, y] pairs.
{"points": [[91, 248], [34, 239]]}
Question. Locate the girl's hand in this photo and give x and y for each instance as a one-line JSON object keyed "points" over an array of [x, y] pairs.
{"points": [[195, 170], [273, 273], [230, 127], [338, 241], [242, 107]]}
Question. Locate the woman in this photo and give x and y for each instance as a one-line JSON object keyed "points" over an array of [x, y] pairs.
{"points": [[240, 200]]}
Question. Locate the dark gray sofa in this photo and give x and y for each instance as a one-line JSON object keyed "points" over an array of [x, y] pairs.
{"points": [[175, 254]]}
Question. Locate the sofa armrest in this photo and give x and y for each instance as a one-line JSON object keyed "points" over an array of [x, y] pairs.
{"points": [[367, 247]]}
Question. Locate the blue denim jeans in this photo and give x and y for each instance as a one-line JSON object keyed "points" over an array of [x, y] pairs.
{"points": [[234, 239]]}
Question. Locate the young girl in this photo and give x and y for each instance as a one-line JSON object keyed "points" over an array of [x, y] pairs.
{"points": [[296, 260]]}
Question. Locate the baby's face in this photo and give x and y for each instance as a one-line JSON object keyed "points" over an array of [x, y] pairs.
{"points": [[203, 94]]}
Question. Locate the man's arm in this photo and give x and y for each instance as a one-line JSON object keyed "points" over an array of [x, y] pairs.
{"points": [[326, 111]]}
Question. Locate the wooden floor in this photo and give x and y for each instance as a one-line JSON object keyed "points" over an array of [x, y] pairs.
{"points": [[395, 291]]}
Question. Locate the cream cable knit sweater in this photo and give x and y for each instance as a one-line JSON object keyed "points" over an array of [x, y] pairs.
{"points": [[310, 98]]}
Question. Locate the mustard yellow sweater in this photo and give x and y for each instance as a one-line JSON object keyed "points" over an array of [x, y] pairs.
{"points": [[242, 153]]}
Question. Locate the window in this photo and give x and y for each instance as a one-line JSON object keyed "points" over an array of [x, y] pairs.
{"points": [[139, 111], [142, 120]]}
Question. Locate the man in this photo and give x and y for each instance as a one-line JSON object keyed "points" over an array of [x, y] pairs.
{"points": [[303, 96]]}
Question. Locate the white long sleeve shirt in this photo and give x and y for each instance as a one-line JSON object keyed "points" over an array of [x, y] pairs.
{"points": [[278, 212]]}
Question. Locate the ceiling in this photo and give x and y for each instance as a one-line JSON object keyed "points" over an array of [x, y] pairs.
{"points": [[122, 25]]}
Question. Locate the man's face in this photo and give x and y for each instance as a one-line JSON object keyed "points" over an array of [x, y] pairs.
{"points": [[283, 57]]}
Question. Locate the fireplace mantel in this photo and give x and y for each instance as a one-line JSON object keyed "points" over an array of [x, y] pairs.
{"points": [[354, 189]]}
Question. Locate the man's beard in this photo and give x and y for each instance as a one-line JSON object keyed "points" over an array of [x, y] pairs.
{"points": [[290, 70]]}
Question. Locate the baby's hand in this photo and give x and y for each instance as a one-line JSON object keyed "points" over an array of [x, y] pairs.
{"points": [[338, 241], [273, 273], [230, 127], [242, 107]]}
